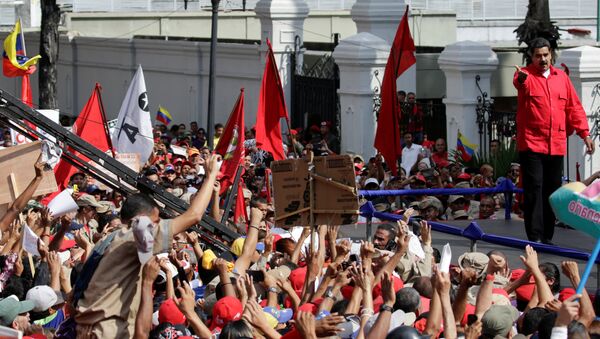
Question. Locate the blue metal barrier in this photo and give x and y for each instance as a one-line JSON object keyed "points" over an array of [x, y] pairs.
{"points": [[474, 233], [505, 186]]}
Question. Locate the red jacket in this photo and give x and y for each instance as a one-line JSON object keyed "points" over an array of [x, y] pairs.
{"points": [[548, 111]]}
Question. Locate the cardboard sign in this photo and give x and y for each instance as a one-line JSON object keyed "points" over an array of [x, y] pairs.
{"points": [[291, 192], [335, 205], [131, 160], [17, 170], [334, 191]]}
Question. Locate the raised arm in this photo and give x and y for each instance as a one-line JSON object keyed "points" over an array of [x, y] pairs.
{"points": [[17, 206], [143, 320], [543, 290], [198, 206], [244, 261]]}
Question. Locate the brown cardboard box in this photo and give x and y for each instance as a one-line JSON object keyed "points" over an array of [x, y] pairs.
{"points": [[17, 170], [291, 192], [340, 169], [333, 204]]}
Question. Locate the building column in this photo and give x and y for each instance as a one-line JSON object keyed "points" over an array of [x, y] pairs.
{"points": [[358, 57], [381, 18], [281, 21], [462, 62], [584, 68]]}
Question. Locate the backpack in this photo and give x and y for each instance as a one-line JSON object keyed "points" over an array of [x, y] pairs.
{"points": [[90, 266]]}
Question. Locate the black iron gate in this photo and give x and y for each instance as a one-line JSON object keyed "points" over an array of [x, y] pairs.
{"points": [[314, 94], [493, 124]]}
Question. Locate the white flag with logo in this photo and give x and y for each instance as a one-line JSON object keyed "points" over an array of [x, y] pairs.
{"points": [[133, 132]]}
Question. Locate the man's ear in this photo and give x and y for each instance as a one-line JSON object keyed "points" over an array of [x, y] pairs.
{"points": [[14, 324]]}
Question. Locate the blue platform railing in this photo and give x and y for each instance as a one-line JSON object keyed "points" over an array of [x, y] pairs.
{"points": [[472, 232], [505, 186]]}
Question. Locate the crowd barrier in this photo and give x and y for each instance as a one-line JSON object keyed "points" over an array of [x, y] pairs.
{"points": [[475, 233], [505, 186]]}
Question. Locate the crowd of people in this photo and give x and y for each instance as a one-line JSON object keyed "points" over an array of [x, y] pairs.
{"points": [[117, 269]]}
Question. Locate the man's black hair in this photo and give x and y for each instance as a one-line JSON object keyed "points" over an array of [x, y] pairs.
{"points": [[136, 204], [546, 324], [14, 285], [254, 202], [218, 125], [401, 92], [532, 320], [550, 270], [390, 228], [340, 306], [537, 43]]}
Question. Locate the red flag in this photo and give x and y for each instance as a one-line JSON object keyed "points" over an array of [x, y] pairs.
{"points": [[387, 137], [240, 214], [26, 96], [91, 127], [271, 108], [231, 144]]}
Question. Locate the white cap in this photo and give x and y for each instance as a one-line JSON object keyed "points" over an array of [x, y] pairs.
{"points": [[144, 240], [43, 297], [371, 181]]}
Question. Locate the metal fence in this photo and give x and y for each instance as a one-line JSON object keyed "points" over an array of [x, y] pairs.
{"points": [[465, 9]]}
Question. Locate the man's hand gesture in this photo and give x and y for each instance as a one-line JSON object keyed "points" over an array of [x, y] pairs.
{"points": [[522, 75]]}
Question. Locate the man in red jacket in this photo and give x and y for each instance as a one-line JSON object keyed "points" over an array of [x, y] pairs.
{"points": [[548, 111]]}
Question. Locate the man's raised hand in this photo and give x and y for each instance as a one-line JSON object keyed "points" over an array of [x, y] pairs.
{"points": [[522, 74]]}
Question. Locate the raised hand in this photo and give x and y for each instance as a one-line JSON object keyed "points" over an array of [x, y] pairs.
{"points": [[187, 301], [151, 269], [425, 232], [522, 74], [530, 259], [387, 289]]}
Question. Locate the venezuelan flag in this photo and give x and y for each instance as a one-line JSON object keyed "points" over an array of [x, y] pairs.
{"points": [[466, 148], [14, 61], [163, 115]]}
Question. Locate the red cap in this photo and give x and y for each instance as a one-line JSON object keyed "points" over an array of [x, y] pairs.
{"points": [[170, 313], [66, 244], [464, 176], [297, 278], [177, 160], [347, 291], [565, 294], [225, 310], [420, 177], [398, 284], [293, 132], [524, 292], [308, 307]]}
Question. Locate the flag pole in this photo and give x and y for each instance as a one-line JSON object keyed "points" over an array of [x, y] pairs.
{"points": [[98, 89], [22, 36], [232, 195]]}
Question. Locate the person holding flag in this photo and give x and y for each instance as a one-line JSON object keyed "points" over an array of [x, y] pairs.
{"points": [[133, 132], [271, 108], [162, 115], [231, 144], [387, 136]]}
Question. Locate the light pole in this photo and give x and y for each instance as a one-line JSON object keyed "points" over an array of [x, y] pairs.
{"points": [[211, 74]]}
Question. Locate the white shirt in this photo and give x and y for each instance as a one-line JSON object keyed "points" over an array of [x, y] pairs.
{"points": [[409, 157]]}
